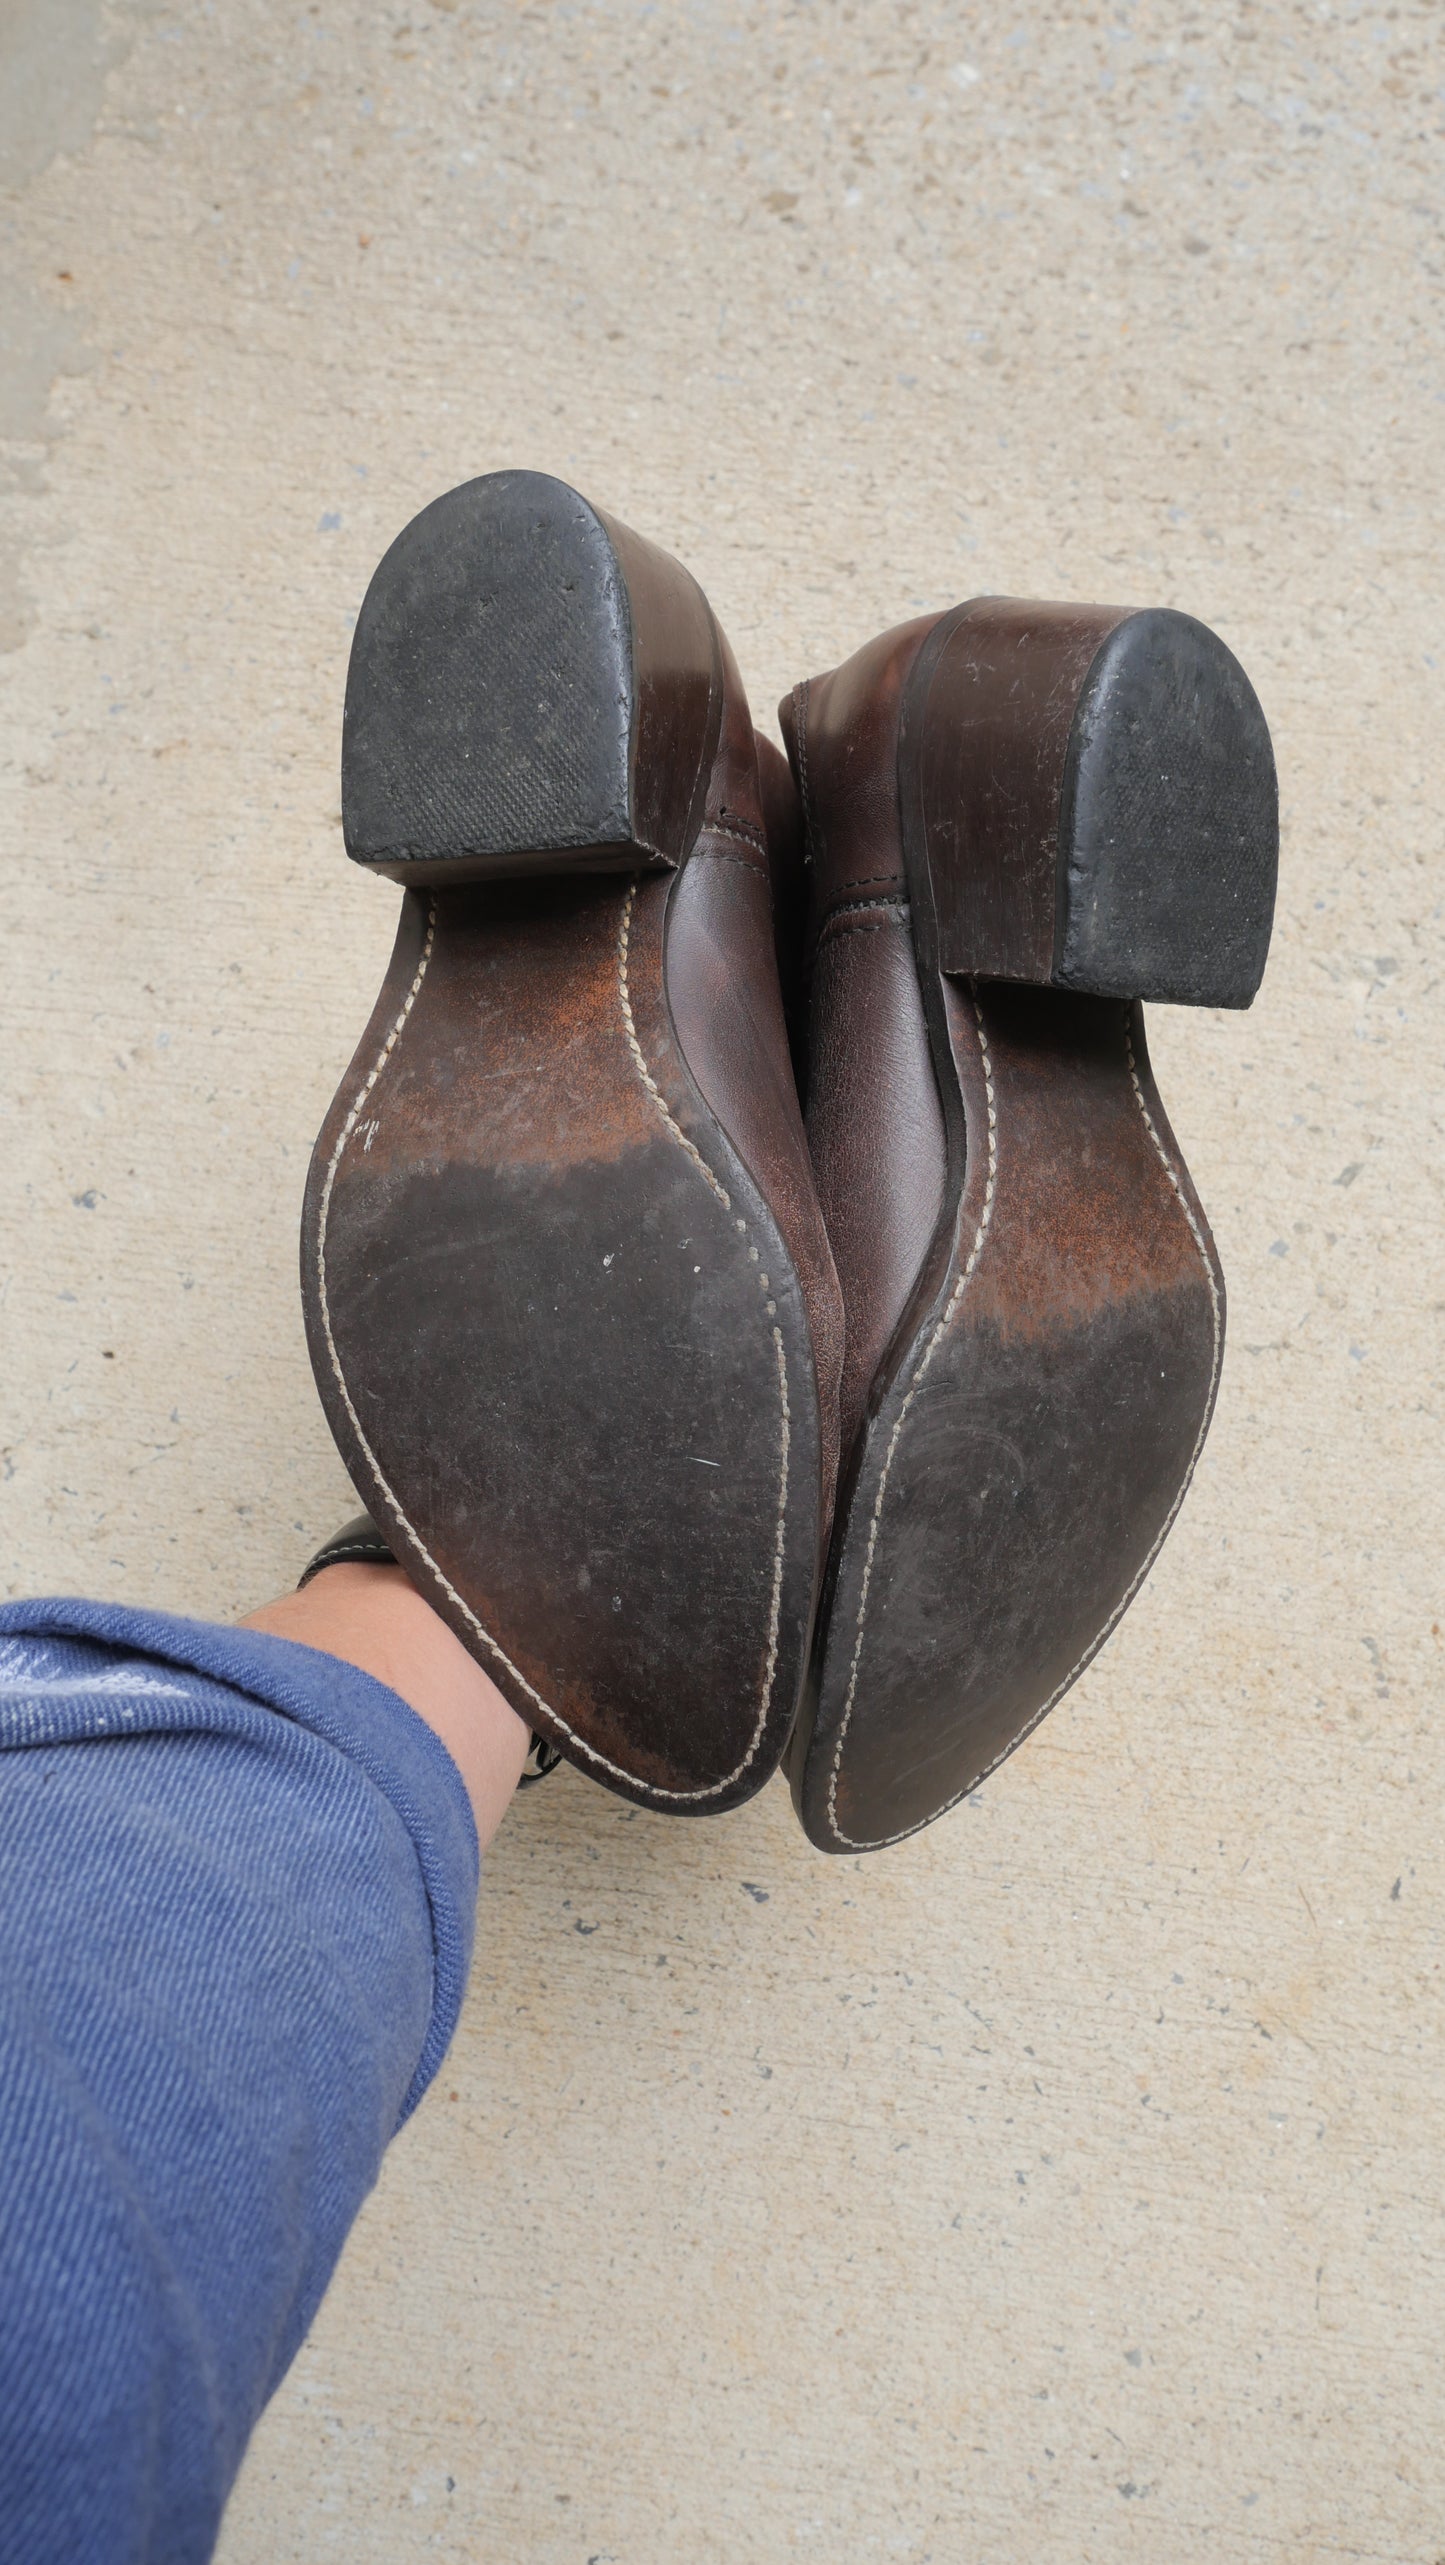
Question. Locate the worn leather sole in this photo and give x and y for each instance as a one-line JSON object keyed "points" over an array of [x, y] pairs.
{"points": [[557, 1334], [1046, 1396]]}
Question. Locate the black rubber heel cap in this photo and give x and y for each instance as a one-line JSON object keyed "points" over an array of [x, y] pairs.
{"points": [[491, 694], [1169, 822]]}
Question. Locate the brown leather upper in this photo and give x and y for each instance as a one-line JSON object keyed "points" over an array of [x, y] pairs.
{"points": [[783, 823], [727, 1007], [874, 1121]]}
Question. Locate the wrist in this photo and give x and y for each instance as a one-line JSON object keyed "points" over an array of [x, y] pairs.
{"points": [[372, 1617]]}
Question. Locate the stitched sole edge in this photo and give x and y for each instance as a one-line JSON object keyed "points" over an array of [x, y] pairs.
{"points": [[880, 1843], [588, 1753]]}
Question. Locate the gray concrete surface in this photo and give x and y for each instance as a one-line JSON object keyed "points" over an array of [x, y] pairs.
{"points": [[1064, 2186]]}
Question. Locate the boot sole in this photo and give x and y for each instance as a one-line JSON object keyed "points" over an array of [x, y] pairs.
{"points": [[1043, 1405], [556, 1332]]}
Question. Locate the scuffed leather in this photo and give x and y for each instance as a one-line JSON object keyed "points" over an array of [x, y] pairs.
{"points": [[874, 1123], [727, 1007]]}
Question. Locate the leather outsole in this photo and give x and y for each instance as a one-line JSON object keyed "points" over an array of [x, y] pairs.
{"points": [[557, 1328], [1085, 814], [1038, 1424], [560, 1342]]}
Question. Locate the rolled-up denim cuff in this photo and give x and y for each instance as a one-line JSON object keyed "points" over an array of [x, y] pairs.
{"points": [[248, 1671]]}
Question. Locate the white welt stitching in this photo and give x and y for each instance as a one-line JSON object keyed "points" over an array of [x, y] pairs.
{"points": [[387, 1490], [785, 1422], [901, 1419], [1165, 1527], [493, 1647], [741, 831]]}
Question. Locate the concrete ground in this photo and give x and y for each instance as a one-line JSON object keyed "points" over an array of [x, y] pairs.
{"points": [[1064, 2186]]}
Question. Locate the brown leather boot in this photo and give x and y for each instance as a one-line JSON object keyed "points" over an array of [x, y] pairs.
{"points": [[1021, 820], [569, 1296]]}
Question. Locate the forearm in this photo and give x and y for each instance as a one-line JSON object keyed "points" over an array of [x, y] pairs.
{"points": [[237, 1887]]}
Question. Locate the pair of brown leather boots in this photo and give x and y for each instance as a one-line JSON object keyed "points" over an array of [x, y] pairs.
{"points": [[749, 1273]]}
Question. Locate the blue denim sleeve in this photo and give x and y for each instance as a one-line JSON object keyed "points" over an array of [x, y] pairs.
{"points": [[237, 1889]]}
